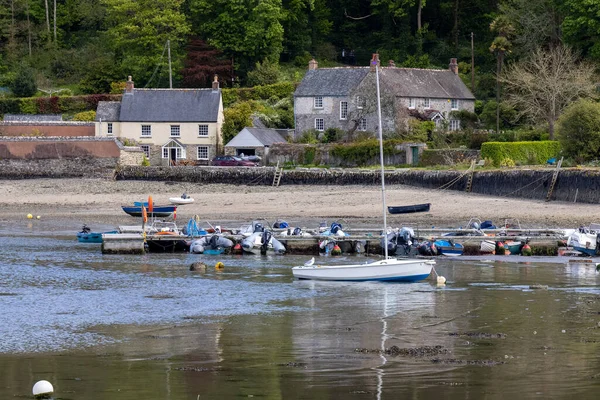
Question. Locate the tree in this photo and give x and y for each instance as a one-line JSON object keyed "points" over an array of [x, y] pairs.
{"points": [[24, 83], [579, 131], [500, 46], [581, 26], [139, 33], [203, 62], [543, 85]]}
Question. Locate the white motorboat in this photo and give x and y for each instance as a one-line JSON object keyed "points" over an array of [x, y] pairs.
{"points": [[388, 269], [183, 199]]}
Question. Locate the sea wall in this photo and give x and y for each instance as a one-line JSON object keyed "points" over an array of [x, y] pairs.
{"points": [[572, 185]]}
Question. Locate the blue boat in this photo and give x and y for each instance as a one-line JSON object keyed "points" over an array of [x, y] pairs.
{"points": [[157, 211], [448, 248], [87, 236]]}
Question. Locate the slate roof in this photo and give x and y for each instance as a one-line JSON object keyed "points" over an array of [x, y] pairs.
{"points": [[253, 137], [108, 111], [33, 117], [331, 81], [170, 105], [432, 83]]}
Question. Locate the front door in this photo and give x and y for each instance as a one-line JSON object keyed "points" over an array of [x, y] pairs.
{"points": [[173, 156], [415, 155]]}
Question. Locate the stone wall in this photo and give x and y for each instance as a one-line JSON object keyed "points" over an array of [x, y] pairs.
{"points": [[58, 147], [62, 128], [58, 168]]}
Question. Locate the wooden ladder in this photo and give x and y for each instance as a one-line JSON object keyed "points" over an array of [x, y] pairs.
{"points": [[277, 176], [470, 179], [554, 178]]}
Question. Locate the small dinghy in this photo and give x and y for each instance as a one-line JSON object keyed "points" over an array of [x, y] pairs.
{"points": [[87, 236], [214, 244], [183, 199], [262, 243]]}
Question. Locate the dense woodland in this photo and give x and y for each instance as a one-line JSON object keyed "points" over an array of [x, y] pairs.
{"points": [[546, 47]]}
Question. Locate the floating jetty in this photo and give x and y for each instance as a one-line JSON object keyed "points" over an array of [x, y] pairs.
{"points": [[132, 240]]}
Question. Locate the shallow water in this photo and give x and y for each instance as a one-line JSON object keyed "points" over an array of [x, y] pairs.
{"points": [[129, 327]]}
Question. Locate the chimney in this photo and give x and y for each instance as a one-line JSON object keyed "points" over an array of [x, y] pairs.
{"points": [[453, 66], [392, 64], [313, 64], [375, 62], [215, 84], [129, 85]]}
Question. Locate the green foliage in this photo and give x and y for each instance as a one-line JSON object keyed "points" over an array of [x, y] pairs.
{"points": [[310, 136], [419, 131], [507, 163], [413, 61], [265, 73], [521, 153], [468, 120], [24, 83], [237, 117], [579, 131], [85, 116], [309, 155], [27, 106], [362, 153], [332, 135], [267, 92], [508, 115], [145, 161]]}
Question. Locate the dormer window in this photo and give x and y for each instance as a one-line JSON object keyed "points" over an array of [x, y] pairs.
{"points": [[318, 102]]}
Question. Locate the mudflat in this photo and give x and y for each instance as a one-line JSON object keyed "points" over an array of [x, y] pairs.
{"points": [[100, 201]]}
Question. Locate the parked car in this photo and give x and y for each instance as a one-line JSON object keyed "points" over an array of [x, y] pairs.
{"points": [[231, 161]]}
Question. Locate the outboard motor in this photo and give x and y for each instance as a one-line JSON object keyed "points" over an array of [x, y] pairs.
{"points": [[213, 242], [297, 232], [85, 229], [258, 227], [264, 242], [335, 227]]}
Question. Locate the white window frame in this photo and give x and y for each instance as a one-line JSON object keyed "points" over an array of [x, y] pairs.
{"points": [[362, 124], [175, 130], [343, 110], [204, 150], [426, 102], [319, 124], [146, 130], [361, 102], [178, 155], [203, 130], [454, 104], [109, 128], [146, 149], [318, 102], [412, 103], [454, 125]]}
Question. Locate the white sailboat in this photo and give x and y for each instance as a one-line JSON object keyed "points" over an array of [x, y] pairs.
{"points": [[388, 269]]}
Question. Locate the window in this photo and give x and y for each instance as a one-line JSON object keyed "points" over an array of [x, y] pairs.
{"points": [[411, 102], [146, 149], [319, 124], [454, 104], [362, 124], [361, 102], [146, 130], [454, 124], [166, 152], [343, 109], [175, 131], [426, 103], [318, 101], [109, 129], [202, 153], [203, 130]]}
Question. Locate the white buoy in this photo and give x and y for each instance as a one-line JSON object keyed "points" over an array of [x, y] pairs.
{"points": [[42, 388], [38, 217], [441, 280]]}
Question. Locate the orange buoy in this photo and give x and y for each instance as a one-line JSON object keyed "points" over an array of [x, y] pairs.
{"points": [[144, 214], [150, 204]]}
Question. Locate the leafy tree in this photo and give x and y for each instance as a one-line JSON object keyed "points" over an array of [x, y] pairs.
{"points": [[543, 85], [237, 117], [579, 131], [265, 73], [581, 26], [202, 62], [24, 83], [139, 32], [248, 30]]}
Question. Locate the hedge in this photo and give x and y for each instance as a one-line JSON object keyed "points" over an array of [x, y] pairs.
{"points": [[361, 153], [278, 90], [54, 104], [521, 153]]}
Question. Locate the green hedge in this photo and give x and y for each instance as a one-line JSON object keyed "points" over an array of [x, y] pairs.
{"points": [[522, 153], [278, 90], [362, 153], [54, 104]]}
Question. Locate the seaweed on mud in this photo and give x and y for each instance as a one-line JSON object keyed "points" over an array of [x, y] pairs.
{"points": [[194, 369], [479, 335], [293, 364], [424, 351], [454, 361]]}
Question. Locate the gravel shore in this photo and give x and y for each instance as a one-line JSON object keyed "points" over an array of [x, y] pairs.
{"points": [[99, 201]]}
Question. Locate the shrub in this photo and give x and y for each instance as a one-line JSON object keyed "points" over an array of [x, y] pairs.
{"points": [[145, 161], [85, 116], [310, 136], [578, 131], [507, 162], [361, 153], [265, 73], [520, 152], [237, 118], [24, 83], [332, 135]]}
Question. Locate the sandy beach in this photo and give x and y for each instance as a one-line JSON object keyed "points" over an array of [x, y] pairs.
{"points": [[98, 201]]}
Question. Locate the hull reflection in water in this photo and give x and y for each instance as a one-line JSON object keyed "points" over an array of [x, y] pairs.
{"points": [[412, 270]]}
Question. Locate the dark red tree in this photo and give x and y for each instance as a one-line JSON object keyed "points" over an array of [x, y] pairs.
{"points": [[203, 62]]}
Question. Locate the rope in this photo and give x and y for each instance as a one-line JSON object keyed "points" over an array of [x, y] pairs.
{"points": [[453, 181]]}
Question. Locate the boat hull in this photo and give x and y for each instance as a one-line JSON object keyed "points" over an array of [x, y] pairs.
{"points": [[92, 237], [181, 201], [384, 270], [409, 209], [158, 211], [586, 250]]}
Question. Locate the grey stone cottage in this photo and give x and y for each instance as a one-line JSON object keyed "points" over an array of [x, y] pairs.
{"points": [[346, 97]]}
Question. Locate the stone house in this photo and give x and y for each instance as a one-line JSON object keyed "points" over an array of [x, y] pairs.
{"points": [[346, 97], [170, 125]]}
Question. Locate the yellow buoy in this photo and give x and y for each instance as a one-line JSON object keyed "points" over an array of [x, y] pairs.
{"points": [[29, 216], [219, 265], [38, 217]]}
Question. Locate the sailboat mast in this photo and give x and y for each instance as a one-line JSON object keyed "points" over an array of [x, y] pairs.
{"points": [[381, 159]]}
